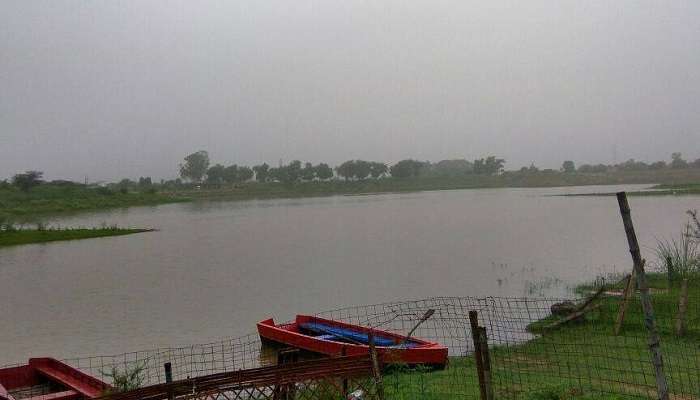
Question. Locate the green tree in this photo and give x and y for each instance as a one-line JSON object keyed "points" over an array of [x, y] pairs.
{"points": [[323, 171], [593, 169], [494, 165], [361, 169], [453, 167], [308, 173], [378, 169], [658, 165], [407, 168], [293, 171], [489, 165], [262, 172], [244, 174], [677, 162], [273, 174], [632, 165], [195, 166], [568, 167], [346, 170], [230, 174], [216, 174], [26, 181]]}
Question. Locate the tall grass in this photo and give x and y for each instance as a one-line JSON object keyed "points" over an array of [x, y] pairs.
{"points": [[680, 257], [696, 228]]}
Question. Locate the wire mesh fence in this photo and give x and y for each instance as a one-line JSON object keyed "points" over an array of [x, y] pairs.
{"points": [[584, 357], [534, 353]]}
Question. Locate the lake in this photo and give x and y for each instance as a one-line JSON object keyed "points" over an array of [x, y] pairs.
{"points": [[215, 268]]}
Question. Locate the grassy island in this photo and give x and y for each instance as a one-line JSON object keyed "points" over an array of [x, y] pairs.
{"points": [[14, 237]]}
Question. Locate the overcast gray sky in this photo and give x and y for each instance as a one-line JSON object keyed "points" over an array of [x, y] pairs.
{"points": [[115, 89]]}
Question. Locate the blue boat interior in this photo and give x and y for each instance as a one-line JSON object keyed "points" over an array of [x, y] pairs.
{"points": [[348, 335]]}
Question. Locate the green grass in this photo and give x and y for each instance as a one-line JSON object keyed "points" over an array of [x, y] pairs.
{"points": [[49, 199], [392, 185], [53, 199], [581, 360], [27, 236]]}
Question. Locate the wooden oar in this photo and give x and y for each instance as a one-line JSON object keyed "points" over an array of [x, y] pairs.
{"points": [[425, 317]]}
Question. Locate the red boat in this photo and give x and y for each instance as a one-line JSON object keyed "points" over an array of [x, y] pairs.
{"points": [[335, 338], [48, 379]]}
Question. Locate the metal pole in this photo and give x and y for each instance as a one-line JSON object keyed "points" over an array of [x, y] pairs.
{"points": [[168, 372], [343, 353], [474, 322], [169, 378], [649, 322]]}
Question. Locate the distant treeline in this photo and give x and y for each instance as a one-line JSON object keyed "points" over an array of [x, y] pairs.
{"points": [[196, 170]]}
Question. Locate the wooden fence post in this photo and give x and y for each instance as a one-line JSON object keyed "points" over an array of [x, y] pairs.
{"points": [[649, 322], [375, 367], [474, 322], [682, 308], [486, 362], [629, 289]]}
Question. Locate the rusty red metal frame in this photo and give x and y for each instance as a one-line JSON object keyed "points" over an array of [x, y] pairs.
{"points": [[263, 380]]}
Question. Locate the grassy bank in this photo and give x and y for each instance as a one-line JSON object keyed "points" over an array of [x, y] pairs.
{"points": [[578, 360], [49, 199], [27, 236], [392, 185], [54, 199]]}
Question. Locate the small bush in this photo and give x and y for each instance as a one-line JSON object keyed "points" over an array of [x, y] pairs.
{"points": [[6, 225], [104, 191], [129, 379]]}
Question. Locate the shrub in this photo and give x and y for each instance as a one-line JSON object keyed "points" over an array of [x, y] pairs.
{"points": [[104, 191], [129, 379]]}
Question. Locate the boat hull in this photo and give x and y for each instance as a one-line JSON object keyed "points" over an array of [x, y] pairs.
{"points": [[48, 379], [295, 335]]}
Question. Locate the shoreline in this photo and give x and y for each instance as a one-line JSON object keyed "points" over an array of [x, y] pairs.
{"points": [[45, 200]]}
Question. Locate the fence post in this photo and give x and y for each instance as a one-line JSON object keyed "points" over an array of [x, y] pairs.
{"points": [[169, 378], [682, 308], [474, 322], [629, 289], [649, 322], [375, 366], [486, 362], [343, 353]]}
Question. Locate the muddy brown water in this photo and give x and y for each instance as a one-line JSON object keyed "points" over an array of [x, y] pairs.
{"points": [[215, 268]]}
